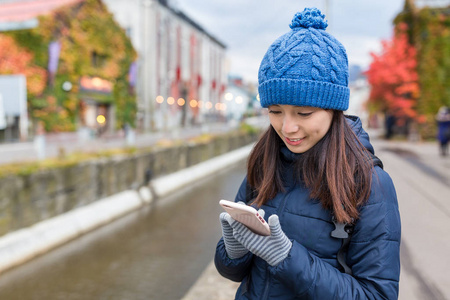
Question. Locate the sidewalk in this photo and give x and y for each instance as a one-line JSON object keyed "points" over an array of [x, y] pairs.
{"points": [[211, 285], [422, 180]]}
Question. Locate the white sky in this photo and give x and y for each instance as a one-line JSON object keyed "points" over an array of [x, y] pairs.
{"points": [[248, 27]]}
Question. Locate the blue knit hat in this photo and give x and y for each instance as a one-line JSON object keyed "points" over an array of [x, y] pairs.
{"points": [[305, 67]]}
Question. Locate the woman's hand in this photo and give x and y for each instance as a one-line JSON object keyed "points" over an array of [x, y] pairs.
{"points": [[232, 246], [273, 248]]}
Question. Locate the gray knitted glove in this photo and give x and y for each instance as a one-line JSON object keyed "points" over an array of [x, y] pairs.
{"points": [[234, 248], [273, 248]]}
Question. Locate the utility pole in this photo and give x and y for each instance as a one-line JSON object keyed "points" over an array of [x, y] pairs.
{"points": [[328, 14]]}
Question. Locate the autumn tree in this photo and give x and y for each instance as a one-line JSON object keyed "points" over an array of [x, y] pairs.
{"points": [[91, 44], [16, 60], [393, 77]]}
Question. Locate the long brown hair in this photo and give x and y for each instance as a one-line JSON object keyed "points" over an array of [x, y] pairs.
{"points": [[337, 170]]}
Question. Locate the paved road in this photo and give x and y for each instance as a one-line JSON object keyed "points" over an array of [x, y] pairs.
{"points": [[422, 180], [73, 142]]}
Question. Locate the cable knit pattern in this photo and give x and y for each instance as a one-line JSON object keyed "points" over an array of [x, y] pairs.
{"points": [[334, 50], [310, 17], [305, 67]]}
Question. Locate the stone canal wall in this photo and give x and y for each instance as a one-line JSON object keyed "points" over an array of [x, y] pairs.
{"points": [[29, 199]]}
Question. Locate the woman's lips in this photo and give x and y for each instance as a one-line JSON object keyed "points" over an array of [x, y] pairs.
{"points": [[294, 142]]}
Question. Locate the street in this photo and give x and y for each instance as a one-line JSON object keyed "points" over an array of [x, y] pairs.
{"points": [[122, 123], [70, 142]]}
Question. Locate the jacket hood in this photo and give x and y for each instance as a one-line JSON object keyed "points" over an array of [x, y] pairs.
{"points": [[355, 124]]}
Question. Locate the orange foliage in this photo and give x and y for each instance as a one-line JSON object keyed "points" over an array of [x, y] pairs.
{"points": [[393, 76], [14, 60], [55, 117]]}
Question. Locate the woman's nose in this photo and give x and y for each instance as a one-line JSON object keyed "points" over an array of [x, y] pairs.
{"points": [[289, 125]]}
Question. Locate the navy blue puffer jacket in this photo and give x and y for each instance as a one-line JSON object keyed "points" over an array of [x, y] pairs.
{"points": [[311, 269]]}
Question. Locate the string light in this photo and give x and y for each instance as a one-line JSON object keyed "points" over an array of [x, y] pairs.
{"points": [[220, 106], [228, 96], [160, 99], [193, 103]]}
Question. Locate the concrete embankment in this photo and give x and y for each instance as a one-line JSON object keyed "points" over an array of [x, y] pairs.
{"points": [[22, 245], [32, 193]]}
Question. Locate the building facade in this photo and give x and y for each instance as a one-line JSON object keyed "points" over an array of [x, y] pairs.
{"points": [[84, 55], [180, 74]]}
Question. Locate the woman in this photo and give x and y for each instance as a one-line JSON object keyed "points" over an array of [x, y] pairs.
{"points": [[314, 175]]}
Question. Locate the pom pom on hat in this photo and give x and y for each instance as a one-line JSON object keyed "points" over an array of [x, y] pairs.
{"points": [[309, 17]]}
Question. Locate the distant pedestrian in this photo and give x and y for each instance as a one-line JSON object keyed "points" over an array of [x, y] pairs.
{"points": [[443, 121], [390, 121], [332, 210]]}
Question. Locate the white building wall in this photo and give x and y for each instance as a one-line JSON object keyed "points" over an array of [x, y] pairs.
{"points": [[237, 101], [128, 14], [185, 68], [153, 32]]}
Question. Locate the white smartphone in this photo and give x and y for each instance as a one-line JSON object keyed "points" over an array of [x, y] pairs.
{"points": [[247, 215]]}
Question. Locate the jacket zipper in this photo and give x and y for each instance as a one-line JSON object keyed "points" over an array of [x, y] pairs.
{"points": [[283, 204], [266, 288], [280, 209]]}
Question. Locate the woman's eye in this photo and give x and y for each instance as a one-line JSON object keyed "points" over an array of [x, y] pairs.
{"points": [[274, 112], [305, 114]]}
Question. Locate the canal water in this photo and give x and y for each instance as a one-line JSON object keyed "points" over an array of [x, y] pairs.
{"points": [[155, 253]]}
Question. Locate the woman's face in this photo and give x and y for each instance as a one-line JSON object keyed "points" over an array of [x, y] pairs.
{"points": [[300, 127]]}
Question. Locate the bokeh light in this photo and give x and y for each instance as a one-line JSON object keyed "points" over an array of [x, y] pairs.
{"points": [[193, 103], [101, 119], [228, 96]]}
